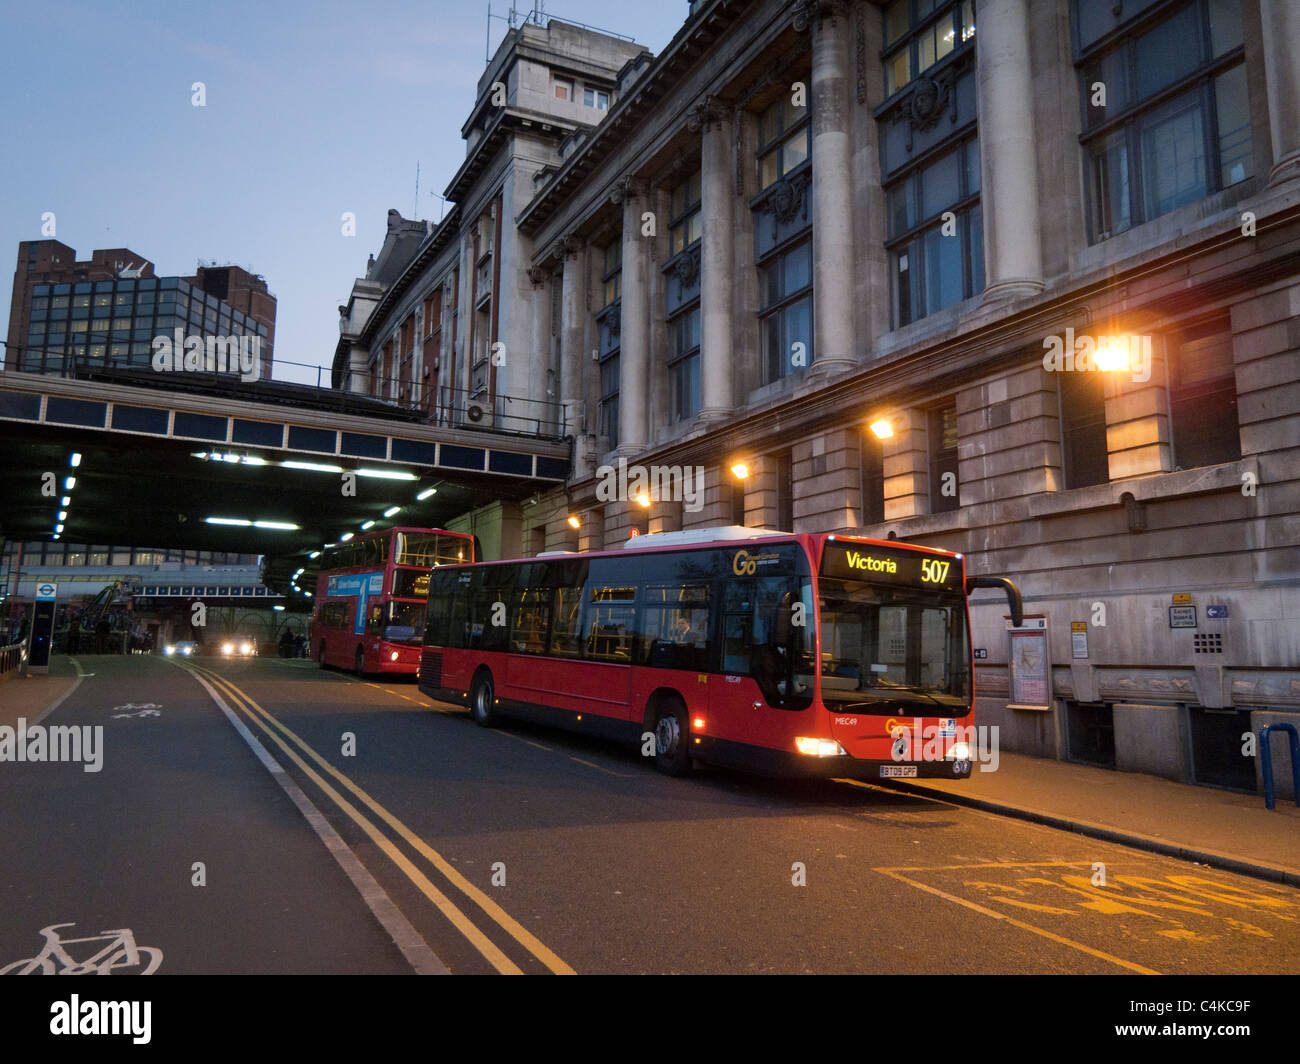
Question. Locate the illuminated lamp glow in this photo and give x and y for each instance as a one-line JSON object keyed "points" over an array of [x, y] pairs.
{"points": [[574, 522], [239, 521], [367, 524], [426, 493], [346, 536], [392, 510], [740, 471], [386, 474], [75, 459], [314, 467], [882, 428]]}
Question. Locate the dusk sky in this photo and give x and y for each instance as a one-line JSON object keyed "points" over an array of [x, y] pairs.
{"points": [[311, 110]]}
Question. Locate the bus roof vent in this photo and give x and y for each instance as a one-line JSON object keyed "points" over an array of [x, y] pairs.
{"points": [[553, 553], [701, 535]]}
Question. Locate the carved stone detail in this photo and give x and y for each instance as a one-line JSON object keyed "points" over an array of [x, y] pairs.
{"points": [[860, 55], [687, 268], [710, 114]]}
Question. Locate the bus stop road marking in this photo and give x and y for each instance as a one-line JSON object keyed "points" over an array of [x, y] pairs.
{"points": [[1062, 940], [271, 726], [1151, 900]]}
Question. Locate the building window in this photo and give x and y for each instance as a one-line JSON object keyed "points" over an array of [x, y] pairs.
{"points": [[563, 89], [612, 277], [1203, 397], [597, 98], [783, 140], [936, 260], [785, 313], [685, 225], [872, 470], [920, 33], [609, 326], [684, 364], [944, 493], [1084, 456], [1166, 116]]}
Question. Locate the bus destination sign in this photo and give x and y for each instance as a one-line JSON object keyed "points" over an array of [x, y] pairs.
{"points": [[889, 565]]}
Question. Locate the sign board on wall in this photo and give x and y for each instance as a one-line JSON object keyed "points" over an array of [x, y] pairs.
{"points": [[1029, 665]]}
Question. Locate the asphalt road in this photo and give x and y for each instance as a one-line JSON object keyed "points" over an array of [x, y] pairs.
{"points": [[440, 843]]}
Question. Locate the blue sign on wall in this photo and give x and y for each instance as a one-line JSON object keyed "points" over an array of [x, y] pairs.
{"points": [[1216, 611]]}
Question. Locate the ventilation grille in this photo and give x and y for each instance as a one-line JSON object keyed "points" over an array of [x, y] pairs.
{"points": [[431, 669], [1207, 644]]}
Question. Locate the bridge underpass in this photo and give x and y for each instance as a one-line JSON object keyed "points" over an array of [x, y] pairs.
{"points": [[157, 466]]}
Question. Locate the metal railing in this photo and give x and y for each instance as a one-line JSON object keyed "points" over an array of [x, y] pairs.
{"points": [[1267, 764], [11, 659], [364, 395]]}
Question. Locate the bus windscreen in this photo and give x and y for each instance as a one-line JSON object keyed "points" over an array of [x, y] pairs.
{"points": [[893, 628]]}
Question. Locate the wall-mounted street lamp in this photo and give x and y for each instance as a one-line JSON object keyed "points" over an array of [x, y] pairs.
{"points": [[740, 471], [882, 428]]}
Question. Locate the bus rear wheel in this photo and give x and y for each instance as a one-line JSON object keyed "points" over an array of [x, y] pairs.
{"points": [[672, 738], [482, 701]]}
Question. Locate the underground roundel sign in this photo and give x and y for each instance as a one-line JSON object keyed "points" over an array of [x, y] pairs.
{"points": [[46, 591]]}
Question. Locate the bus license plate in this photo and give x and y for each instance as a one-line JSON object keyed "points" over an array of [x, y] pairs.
{"points": [[898, 771]]}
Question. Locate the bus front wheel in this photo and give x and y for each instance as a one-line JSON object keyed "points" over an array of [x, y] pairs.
{"points": [[672, 739], [483, 700]]}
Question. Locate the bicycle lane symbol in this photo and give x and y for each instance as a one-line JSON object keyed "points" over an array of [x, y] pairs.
{"points": [[144, 709], [118, 954]]}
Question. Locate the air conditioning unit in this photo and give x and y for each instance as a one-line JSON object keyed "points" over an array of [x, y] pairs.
{"points": [[474, 412]]}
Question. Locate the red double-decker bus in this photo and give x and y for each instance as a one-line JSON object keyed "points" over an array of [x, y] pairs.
{"points": [[371, 594], [786, 654]]}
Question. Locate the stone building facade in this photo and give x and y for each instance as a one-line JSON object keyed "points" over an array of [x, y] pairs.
{"points": [[1019, 280]]}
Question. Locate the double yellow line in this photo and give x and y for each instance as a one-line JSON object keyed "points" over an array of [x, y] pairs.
{"points": [[282, 736]]}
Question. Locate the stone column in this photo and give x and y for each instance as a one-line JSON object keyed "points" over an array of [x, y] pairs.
{"points": [[573, 318], [717, 281], [834, 347], [1280, 22], [634, 324], [1009, 175]]}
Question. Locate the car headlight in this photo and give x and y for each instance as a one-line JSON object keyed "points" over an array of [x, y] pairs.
{"points": [[188, 651], [245, 649], [227, 648], [169, 650]]}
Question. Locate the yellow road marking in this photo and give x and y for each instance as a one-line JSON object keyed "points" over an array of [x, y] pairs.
{"points": [[481, 942], [512, 927], [1017, 923], [600, 768]]}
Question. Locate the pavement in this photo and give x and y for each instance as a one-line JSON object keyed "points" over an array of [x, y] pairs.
{"points": [[1223, 829], [33, 697]]}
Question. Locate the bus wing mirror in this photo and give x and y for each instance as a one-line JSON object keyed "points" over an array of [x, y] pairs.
{"points": [[1012, 593]]}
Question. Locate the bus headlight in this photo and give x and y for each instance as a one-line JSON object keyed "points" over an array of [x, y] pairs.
{"points": [[392, 656], [959, 752], [819, 747]]}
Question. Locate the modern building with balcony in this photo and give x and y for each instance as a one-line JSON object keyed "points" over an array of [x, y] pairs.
{"points": [[1017, 280]]}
